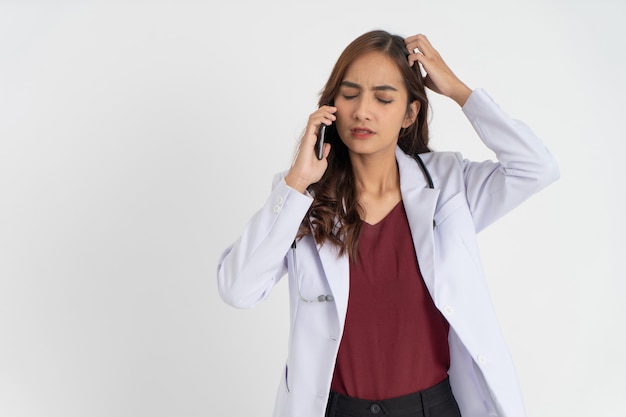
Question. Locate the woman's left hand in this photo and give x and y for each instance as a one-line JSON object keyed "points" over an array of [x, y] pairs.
{"points": [[439, 77]]}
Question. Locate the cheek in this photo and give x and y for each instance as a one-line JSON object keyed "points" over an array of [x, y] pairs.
{"points": [[343, 117]]}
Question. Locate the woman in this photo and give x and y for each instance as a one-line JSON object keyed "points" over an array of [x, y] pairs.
{"points": [[389, 309]]}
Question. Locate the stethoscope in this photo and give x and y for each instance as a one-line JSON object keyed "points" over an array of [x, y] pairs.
{"points": [[327, 298]]}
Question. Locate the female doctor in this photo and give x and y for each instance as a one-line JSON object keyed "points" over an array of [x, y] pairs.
{"points": [[389, 310]]}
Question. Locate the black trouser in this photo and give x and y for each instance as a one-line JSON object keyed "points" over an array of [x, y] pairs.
{"points": [[436, 401]]}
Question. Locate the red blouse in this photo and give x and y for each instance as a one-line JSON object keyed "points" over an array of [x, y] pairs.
{"points": [[395, 341]]}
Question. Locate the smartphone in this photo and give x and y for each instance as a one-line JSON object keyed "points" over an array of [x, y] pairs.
{"points": [[321, 138]]}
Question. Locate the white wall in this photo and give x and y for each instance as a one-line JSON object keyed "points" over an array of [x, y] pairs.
{"points": [[136, 138]]}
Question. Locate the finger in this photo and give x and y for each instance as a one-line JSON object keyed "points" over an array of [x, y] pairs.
{"points": [[324, 112], [330, 116], [421, 45], [416, 47], [321, 116], [414, 53], [413, 42], [328, 107], [414, 38], [326, 150], [429, 58]]}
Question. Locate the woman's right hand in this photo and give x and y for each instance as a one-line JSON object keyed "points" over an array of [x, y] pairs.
{"points": [[306, 168]]}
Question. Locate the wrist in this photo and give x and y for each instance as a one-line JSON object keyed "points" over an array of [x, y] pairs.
{"points": [[296, 182], [460, 94]]}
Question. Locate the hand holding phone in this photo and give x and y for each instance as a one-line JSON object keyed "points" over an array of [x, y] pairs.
{"points": [[321, 138], [304, 170]]}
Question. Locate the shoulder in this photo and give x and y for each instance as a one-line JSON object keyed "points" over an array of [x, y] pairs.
{"points": [[442, 163], [442, 158], [428, 157], [445, 169]]}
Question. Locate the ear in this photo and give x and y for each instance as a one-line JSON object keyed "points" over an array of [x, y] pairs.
{"points": [[411, 115]]}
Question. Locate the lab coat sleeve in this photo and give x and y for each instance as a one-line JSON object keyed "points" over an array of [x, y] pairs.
{"points": [[249, 268], [523, 167]]}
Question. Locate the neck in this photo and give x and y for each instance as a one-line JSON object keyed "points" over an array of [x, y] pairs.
{"points": [[376, 176]]}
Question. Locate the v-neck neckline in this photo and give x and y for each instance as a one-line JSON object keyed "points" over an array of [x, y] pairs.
{"points": [[381, 221]]}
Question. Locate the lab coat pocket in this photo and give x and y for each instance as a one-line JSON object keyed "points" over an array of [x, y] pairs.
{"points": [[309, 280], [454, 231], [449, 208]]}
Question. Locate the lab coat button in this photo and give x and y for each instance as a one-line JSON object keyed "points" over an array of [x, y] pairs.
{"points": [[448, 310], [279, 201], [482, 360], [276, 208]]}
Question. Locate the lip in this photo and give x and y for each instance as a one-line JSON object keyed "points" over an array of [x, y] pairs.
{"points": [[361, 132]]}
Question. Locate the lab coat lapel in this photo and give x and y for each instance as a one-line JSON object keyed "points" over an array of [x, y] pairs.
{"points": [[419, 202], [338, 275]]}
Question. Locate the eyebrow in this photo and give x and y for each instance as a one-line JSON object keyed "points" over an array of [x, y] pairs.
{"points": [[384, 87]]}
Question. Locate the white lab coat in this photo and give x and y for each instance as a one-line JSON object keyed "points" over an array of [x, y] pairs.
{"points": [[467, 197]]}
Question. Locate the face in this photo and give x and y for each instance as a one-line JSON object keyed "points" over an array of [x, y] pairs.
{"points": [[372, 106]]}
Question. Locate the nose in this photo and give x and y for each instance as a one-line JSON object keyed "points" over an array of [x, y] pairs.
{"points": [[362, 110]]}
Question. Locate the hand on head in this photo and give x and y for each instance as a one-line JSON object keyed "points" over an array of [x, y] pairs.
{"points": [[439, 77]]}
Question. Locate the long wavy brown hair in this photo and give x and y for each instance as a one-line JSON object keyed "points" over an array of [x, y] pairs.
{"points": [[335, 215]]}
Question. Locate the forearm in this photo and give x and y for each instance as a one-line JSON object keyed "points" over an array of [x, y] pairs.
{"points": [[460, 93], [249, 269]]}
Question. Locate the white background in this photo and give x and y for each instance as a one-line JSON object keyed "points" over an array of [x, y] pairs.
{"points": [[136, 138]]}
